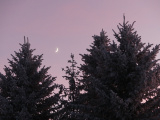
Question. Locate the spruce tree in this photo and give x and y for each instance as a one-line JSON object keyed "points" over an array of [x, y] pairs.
{"points": [[120, 80], [71, 93], [72, 75], [27, 91]]}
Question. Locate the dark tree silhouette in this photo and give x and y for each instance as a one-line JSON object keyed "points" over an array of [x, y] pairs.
{"points": [[26, 89], [118, 78], [71, 93], [120, 81], [72, 75]]}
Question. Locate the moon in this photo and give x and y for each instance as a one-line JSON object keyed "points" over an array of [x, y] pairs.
{"points": [[56, 50]]}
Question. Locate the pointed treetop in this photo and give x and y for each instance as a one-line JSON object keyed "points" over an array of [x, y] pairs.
{"points": [[25, 40], [124, 17]]}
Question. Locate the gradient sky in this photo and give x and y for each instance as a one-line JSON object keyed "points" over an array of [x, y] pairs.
{"points": [[70, 25]]}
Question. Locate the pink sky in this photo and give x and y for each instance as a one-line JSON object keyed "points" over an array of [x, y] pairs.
{"points": [[70, 25]]}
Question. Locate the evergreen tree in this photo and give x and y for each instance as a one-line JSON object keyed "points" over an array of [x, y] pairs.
{"points": [[72, 92], [26, 89], [118, 77], [72, 75]]}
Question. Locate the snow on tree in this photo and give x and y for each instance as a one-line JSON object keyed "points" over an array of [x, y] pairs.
{"points": [[118, 77], [27, 92]]}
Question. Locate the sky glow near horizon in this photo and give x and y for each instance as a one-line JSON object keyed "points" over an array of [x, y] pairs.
{"points": [[70, 25]]}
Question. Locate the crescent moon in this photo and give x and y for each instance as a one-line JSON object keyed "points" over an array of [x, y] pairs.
{"points": [[56, 50]]}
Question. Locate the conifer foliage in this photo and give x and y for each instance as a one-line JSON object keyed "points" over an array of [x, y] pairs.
{"points": [[73, 91], [72, 75], [26, 89], [120, 80]]}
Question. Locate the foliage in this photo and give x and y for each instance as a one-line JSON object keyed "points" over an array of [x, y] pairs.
{"points": [[118, 77], [26, 90], [120, 81], [71, 93]]}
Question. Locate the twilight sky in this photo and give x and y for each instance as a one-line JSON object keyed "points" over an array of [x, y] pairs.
{"points": [[70, 25]]}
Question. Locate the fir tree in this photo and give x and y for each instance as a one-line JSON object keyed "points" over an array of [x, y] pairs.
{"points": [[118, 77], [26, 89]]}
